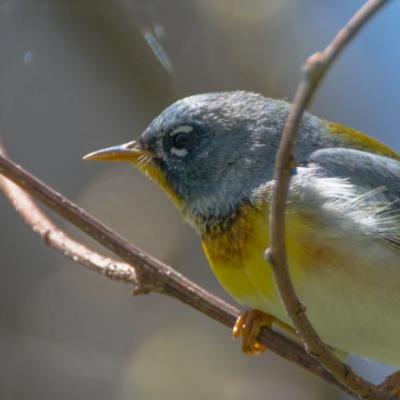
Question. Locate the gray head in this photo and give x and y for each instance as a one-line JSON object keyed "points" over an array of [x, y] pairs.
{"points": [[216, 148], [211, 151]]}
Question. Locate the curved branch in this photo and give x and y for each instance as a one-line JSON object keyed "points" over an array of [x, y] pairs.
{"points": [[314, 70], [154, 275], [150, 274], [56, 238]]}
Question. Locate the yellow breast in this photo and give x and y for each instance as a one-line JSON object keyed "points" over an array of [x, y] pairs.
{"points": [[236, 254]]}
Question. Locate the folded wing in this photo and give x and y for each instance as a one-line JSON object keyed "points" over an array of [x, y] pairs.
{"points": [[367, 189]]}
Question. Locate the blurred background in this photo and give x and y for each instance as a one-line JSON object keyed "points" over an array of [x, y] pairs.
{"points": [[77, 75]]}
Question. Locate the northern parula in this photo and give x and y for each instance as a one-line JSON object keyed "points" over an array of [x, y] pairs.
{"points": [[214, 156]]}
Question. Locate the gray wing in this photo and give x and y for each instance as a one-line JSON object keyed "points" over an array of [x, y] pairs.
{"points": [[377, 179], [362, 169]]}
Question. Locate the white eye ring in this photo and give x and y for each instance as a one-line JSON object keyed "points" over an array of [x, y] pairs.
{"points": [[181, 129], [179, 152]]}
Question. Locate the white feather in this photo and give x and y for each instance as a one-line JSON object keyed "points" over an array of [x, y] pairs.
{"points": [[354, 302]]}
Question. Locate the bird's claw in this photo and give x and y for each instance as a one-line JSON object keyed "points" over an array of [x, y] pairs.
{"points": [[248, 326]]}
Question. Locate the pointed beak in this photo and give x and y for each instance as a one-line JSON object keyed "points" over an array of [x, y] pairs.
{"points": [[127, 152], [141, 159]]}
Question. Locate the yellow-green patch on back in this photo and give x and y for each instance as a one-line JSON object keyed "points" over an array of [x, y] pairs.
{"points": [[360, 141]]}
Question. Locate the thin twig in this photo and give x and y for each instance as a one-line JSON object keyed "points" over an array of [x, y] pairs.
{"points": [[314, 70], [56, 238], [154, 275]]}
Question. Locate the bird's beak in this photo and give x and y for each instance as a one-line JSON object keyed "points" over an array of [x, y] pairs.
{"points": [[133, 153], [127, 152]]}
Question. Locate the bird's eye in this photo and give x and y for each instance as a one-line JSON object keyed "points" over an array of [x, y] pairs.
{"points": [[180, 140]]}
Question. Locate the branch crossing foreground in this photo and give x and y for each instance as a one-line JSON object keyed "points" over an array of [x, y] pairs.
{"points": [[147, 274]]}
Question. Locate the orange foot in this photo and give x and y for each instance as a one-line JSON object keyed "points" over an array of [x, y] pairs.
{"points": [[248, 326]]}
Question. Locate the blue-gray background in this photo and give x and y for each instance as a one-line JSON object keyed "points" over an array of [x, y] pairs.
{"points": [[76, 75]]}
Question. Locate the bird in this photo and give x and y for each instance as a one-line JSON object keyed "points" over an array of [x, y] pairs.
{"points": [[213, 154]]}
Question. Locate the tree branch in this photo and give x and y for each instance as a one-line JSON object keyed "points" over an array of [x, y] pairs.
{"points": [[148, 273], [56, 238], [313, 72]]}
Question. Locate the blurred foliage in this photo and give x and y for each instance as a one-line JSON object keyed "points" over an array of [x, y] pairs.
{"points": [[77, 75]]}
